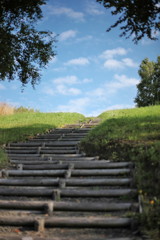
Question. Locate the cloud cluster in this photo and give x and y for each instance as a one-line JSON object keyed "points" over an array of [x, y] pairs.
{"points": [[64, 86], [67, 34], [112, 63], [77, 61], [68, 12], [94, 9]]}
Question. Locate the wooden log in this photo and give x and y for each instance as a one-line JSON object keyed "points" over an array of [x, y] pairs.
{"points": [[100, 172], [68, 182], [6, 237], [97, 193], [66, 206], [61, 143], [21, 151], [29, 182], [25, 144], [78, 165], [23, 205], [20, 191], [17, 221], [86, 222], [45, 167], [52, 151], [64, 156], [31, 173], [98, 182], [94, 207], [55, 159], [35, 191]]}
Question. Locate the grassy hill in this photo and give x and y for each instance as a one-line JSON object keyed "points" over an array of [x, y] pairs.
{"points": [[23, 125], [133, 135]]}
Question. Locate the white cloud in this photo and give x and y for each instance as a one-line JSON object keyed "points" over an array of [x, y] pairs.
{"points": [[112, 63], [94, 9], [48, 91], [122, 81], [87, 80], [67, 80], [119, 64], [68, 12], [114, 52], [67, 34], [129, 62], [76, 105], [62, 89], [125, 80], [2, 87], [85, 38], [77, 61]]}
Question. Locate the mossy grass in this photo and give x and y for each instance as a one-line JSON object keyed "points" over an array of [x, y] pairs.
{"points": [[132, 135]]}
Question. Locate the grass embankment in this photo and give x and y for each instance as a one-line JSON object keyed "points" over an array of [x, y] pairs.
{"points": [[133, 135], [21, 126]]}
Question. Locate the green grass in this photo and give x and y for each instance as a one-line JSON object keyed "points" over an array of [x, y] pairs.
{"points": [[132, 135], [20, 126]]}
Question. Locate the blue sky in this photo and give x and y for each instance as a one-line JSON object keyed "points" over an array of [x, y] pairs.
{"points": [[93, 71]]}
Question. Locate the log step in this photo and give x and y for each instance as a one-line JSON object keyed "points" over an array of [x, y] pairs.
{"points": [[69, 182], [44, 160], [67, 206], [78, 165], [97, 172], [5, 237], [41, 192]]}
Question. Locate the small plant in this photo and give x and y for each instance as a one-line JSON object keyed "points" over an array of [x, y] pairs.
{"points": [[3, 159], [6, 109]]}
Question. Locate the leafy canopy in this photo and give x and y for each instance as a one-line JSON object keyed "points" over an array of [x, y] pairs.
{"points": [[138, 18], [149, 86], [23, 49]]}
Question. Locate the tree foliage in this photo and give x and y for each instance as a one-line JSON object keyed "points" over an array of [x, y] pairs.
{"points": [[137, 18], [23, 49], [149, 86]]}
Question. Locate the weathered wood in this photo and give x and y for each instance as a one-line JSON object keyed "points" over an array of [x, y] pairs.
{"points": [[100, 172], [21, 151], [6, 237], [94, 207], [46, 160], [17, 221], [69, 182], [97, 193], [86, 222], [20, 191], [98, 182], [23, 205], [31, 173], [40, 191], [78, 165], [61, 151], [29, 182]]}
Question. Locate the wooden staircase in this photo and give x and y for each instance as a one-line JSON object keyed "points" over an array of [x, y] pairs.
{"points": [[53, 191]]}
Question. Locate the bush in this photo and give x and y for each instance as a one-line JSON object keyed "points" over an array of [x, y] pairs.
{"points": [[6, 109]]}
